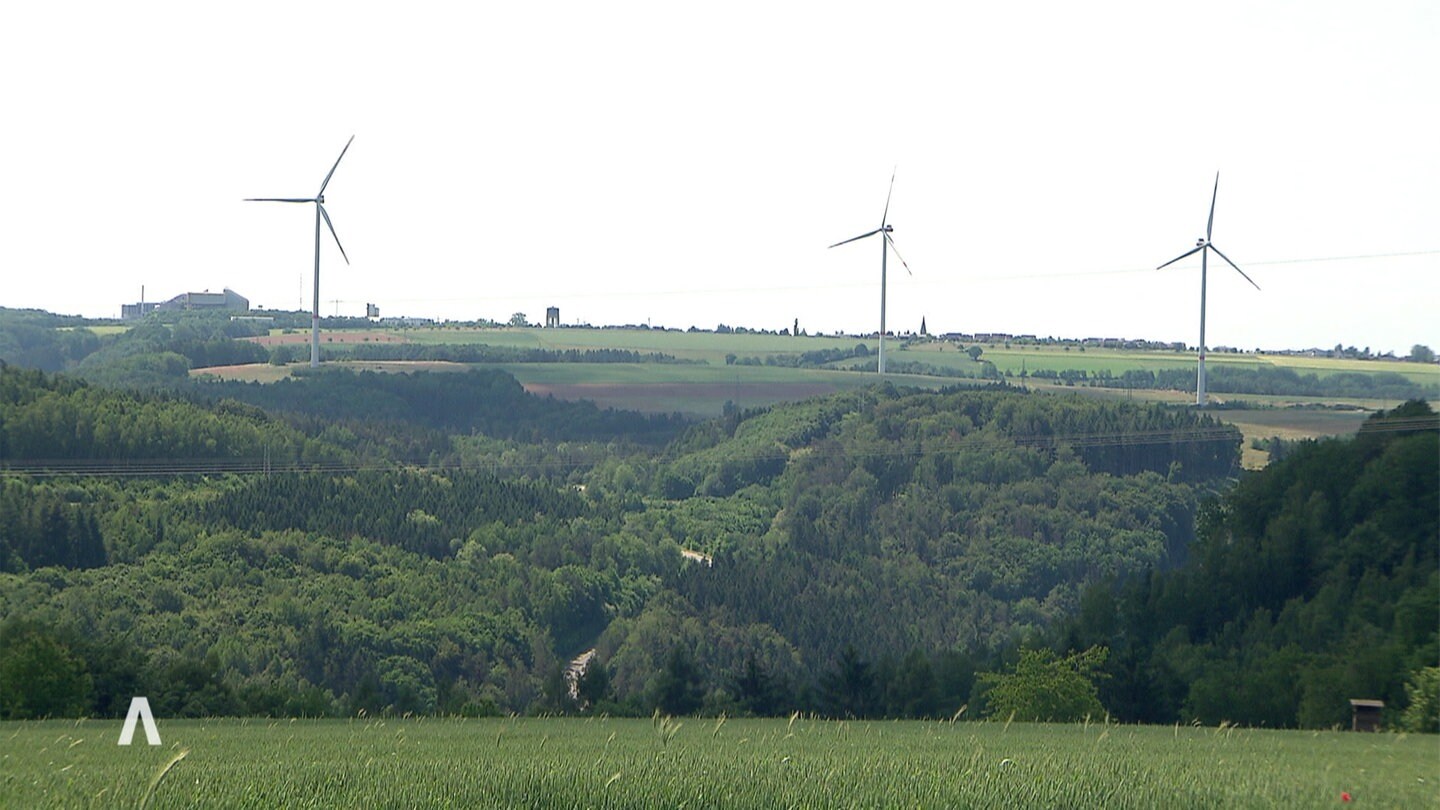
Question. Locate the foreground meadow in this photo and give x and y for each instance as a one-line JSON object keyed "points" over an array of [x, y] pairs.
{"points": [[706, 763]]}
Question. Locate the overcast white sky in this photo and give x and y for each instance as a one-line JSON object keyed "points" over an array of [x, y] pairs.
{"points": [[686, 164]]}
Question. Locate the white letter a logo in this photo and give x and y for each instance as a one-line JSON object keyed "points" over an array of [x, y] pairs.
{"points": [[139, 708]]}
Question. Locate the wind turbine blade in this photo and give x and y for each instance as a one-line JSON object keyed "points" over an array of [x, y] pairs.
{"points": [[854, 238], [1237, 267], [329, 224], [885, 216], [1190, 252], [278, 199], [1210, 224], [321, 192], [890, 240]]}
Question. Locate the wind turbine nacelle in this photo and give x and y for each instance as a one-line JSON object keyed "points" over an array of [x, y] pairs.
{"points": [[889, 228]]}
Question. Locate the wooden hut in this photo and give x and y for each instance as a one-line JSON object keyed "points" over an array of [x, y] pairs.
{"points": [[1365, 714]]}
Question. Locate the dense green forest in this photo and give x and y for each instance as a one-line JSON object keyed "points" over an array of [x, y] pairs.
{"points": [[32, 338], [412, 545], [156, 352], [56, 418], [1314, 581]]}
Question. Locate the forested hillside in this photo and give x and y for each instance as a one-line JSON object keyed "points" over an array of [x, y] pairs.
{"points": [[864, 554], [32, 338], [52, 430], [1314, 581], [55, 418], [157, 352]]}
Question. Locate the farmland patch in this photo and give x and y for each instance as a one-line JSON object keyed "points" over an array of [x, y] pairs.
{"points": [[599, 762]]}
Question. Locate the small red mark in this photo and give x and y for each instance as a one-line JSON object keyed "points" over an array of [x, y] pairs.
{"points": [[1344, 796]]}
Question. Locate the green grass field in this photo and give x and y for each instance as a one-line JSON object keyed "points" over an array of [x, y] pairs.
{"points": [[1118, 361], [114, 329], [707, 763], [702, 389], [713, 348], [695, 390], [706, 346]]}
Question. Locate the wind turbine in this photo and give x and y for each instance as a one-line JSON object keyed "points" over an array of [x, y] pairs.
{"points": [[1203, 246], [887, 244], [320, 212]]}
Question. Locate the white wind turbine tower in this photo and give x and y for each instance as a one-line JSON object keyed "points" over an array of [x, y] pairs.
{"points": [[887, 244], [320, 212], [1203, 247]]}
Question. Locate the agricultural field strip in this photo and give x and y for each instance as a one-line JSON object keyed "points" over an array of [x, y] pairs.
{"points": [[651, 387], [702, 390], [713, 347], [1291, 423], [640, 374], [647, 373], [1093, 361], [708, 346], [712, 762]]}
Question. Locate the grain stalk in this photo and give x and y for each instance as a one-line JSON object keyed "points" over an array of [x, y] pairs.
{"points": [[666, 727], [155, 781]]}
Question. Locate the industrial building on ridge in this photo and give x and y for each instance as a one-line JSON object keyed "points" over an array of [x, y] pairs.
{"points": [[227, 301]]}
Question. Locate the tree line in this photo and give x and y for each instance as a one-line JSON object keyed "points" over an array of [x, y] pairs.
{"points": [[1228, 379]]}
